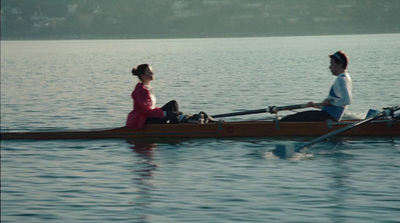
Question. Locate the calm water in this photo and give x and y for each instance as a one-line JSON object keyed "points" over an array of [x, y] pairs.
{"points": [[54, 85]]}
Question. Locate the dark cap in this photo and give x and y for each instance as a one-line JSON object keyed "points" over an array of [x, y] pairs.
{"points": [[340, 57]]}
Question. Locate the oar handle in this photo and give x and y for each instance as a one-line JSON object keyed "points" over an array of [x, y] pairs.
{"points": [[274, 109], [241, 113], [271, 109]]}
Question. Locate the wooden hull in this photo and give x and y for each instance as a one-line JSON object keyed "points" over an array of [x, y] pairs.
{"points": [[379, 128]]}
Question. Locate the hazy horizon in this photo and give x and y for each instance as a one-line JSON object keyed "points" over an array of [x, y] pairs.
{"points": [[138, 19]]}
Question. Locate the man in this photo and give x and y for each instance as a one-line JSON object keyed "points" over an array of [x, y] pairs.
{"points": [[339, 97]]}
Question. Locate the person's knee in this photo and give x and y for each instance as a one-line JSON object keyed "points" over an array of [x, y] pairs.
{"points": [[175, 104]]}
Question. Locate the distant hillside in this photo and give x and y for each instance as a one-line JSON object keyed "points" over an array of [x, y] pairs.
{"points": [[87, 19]]}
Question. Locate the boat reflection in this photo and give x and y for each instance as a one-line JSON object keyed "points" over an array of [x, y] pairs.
{"points": [[146, 166], [143, 170], [145, 152], [144, 149]]}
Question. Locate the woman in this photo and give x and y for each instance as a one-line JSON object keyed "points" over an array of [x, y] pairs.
{"points": [[339, 96], [144, 101]]}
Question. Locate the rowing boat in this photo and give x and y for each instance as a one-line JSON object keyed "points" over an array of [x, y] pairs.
{"points": [[221, 129]]}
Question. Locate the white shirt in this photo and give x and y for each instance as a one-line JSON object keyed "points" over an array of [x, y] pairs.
{"points": [[339, 96], [152, 96], [340, 93]]}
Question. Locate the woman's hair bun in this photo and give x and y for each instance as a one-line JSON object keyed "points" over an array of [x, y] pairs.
{"points": [[141, 69], [135, 72]]}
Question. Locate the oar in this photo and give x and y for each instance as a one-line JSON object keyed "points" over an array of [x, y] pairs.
{"points": [[286, 151], [271, 109]]}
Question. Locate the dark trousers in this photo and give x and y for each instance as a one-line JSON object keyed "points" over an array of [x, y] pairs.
{"points": [[170, 106], [307, 116]]}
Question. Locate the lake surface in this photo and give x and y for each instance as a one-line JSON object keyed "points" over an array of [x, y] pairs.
{"points": [[86, 84]]}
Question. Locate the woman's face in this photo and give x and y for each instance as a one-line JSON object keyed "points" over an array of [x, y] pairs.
{"points": [[148, 74]]}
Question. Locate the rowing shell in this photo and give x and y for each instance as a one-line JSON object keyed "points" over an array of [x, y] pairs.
{"points": [[220, 129]]}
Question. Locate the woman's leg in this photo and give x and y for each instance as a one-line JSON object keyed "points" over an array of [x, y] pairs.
{"points": [[156, 121], [171, 106]]}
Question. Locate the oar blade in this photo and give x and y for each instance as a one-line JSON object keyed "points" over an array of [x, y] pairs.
{"points": [[285, 151]]}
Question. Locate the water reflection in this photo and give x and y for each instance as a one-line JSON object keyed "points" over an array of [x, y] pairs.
{"points": [[144, 172], [144, 149], [340, 184]]}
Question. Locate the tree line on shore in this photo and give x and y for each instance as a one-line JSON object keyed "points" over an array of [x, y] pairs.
{"points": [[77, 19]]}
